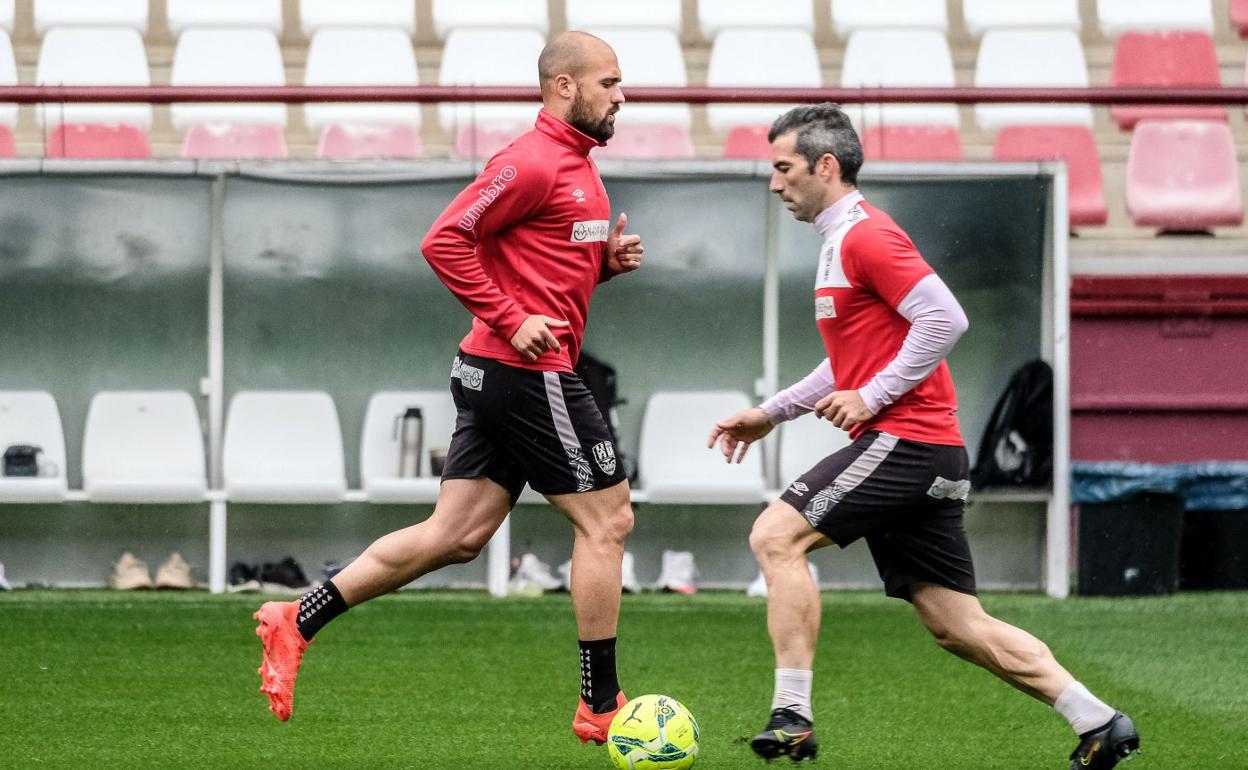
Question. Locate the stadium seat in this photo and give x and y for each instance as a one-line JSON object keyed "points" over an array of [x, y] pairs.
{"points": [[8, 112], [31, 418], [913, 143], [380, 445], [1119, 16], [1183, 175], [765, 57], [8, 14], [849, 16], [1031, 58], [50, 14], [1072, 144], [514, 15], [283, 447], [636, 14], [983, 15], [231, 14], [229, 130], [899, 57], [804, 442], [315, 15], [649, 57], [674, 470], [1239, 16], [373, 56], [1165, 59], [715, 16], [143, 447], [94, 56], [747, 143], [488, 57]]}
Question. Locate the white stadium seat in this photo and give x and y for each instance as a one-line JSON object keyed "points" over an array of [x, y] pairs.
{"points": [[8, 14], [1031, 58], [283, 447], [489, 57], [983, 15], [87, 56], [848, 16], [899, 57], [804, 442], [50, 14], [143, 447], [31, 418], [197, 14], [379, 57], [228, 57], [715, 16], [450, 15], [380, 445], [640, 14], [315, 15], [765, 57], [649, 57], [1119, 16], [674, 466]]}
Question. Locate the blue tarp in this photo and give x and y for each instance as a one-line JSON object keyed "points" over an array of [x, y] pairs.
{"points": [[1211, 486]]}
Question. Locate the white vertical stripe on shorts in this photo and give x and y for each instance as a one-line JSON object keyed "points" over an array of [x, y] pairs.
{"points": [[567, 434], [849, 479]]}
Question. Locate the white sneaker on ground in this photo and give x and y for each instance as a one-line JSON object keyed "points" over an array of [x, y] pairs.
{"points": [[130, 573], [759, 586], [628, 574], [174, 573], [4, 584], [678, 572]]}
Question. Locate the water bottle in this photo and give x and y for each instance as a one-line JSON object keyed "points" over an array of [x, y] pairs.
{"points": [[410, 434]]}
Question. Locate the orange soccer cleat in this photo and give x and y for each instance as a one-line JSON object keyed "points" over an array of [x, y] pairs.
{"points": [[283, 652], [589, 726]]}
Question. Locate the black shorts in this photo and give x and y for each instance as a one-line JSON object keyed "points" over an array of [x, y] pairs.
{"points": [[516, 426], [905, 498]]}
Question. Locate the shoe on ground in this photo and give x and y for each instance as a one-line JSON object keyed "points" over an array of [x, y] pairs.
{"points": [[241, 572], [628, 574], [174, 573], [678, 573], [788, 734], [130, 573], [589, 726], [1104, 747], [283, 652], [4, 584], [537, 572], [286, 572]]}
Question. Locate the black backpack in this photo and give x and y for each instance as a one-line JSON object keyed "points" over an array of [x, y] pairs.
{"points": [[1017, 449], [600, 378]]}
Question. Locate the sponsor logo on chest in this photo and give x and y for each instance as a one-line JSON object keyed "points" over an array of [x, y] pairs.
{"points": [[825, 307], [590, 231]]}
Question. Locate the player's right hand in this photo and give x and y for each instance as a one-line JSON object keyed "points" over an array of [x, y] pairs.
{"points": [[736, 433], [534, 336]]}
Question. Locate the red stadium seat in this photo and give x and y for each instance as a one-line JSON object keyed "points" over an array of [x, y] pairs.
{"points": [[1165, 59], [648, 141], [484, 141], [1073, 144], [96, 142], [933, 143], [1239, 16], [234, 142], [8, 148], [355, 142], [748, 143], [1183, 176]]}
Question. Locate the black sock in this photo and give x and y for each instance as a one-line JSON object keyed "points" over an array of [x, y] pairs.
{"points": [[317, 607], [598, 683]]}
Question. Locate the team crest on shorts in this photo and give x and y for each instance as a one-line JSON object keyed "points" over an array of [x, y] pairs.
{"points": [[604, 455]]}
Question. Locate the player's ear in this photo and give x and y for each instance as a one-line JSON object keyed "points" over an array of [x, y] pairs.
{"points": [[565, 86], [828, 167]]}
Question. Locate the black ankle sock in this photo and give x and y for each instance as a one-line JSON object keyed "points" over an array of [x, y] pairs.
{"points": [[599, 685], [317, 607]]}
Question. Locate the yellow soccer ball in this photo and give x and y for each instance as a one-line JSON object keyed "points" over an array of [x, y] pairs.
{"points": [[653, 731]]}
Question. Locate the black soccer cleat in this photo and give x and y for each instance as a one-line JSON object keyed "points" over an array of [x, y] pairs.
{"points": [[1104, 747], [788, 734]]}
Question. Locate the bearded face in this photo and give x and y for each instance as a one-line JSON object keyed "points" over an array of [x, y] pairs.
{"points": [[596, 122]]}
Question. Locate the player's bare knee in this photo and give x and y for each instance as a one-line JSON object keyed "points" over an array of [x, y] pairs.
{"points": [[772, 539]]}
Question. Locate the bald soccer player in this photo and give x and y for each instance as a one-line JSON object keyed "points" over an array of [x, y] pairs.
{"points": [[523, 248]]}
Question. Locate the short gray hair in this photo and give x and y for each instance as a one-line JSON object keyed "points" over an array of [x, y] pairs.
{"points": [[822, 129]]}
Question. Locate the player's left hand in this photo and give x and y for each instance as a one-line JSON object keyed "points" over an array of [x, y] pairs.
{"points": [[843, 408], [623, 251]]}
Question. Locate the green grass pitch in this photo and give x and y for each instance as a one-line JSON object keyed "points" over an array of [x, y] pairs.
{"points": [[459, 680]]}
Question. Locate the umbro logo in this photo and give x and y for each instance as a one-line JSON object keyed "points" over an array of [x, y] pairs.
{"points": [[579, 194], [799, 488]]}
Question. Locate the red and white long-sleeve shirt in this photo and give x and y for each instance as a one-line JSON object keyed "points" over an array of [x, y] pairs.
{"points": [[527, 237], [887, 323]]}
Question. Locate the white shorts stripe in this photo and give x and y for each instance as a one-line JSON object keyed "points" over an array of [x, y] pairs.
{"points": [[849, 479]]}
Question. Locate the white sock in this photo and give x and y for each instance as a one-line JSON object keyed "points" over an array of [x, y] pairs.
{"points": [[793, 691], [1082, 709]]}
